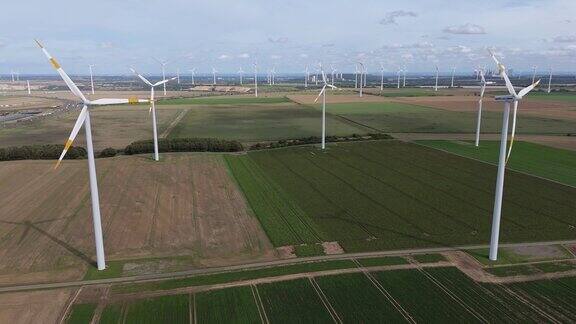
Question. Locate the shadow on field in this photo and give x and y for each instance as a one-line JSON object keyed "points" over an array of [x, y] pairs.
{"points": [[28, 225]]}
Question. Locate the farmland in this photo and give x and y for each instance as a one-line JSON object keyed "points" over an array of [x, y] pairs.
{"points": [[543, 161], [429, 294], [171, 225], [390, 195]]}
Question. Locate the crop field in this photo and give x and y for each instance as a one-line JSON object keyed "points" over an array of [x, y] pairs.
{"points": [[410, 116], [168, 208], [227, 306], [253, 123], [112, 126], [427, 295], [224, 100], [44, 306], [543, 161], [392, 195], [569, 97], [541, 108]]}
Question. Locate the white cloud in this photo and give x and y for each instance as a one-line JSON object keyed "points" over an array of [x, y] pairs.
{"points": [[391, 17], [466, 29], [244, 55], [224, 57]]}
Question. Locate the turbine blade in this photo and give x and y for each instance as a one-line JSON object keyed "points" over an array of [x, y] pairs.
{"points": [[320, 94], [107, 101], [164, 81], [529, 88], [73, 134], [71, 85], [513, 130], [141, 77]]}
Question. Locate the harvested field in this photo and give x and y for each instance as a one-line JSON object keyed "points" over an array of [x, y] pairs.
{"points": [[308, 99], [185, 205], [15, 103], [392, 195], [112, 126], [34, 307], [537, 108]]}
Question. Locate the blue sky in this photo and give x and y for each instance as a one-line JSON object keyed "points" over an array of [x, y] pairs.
{"points": [[229, 34]]}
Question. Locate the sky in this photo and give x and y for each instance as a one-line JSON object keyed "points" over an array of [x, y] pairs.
{"points": [[286, 35]]}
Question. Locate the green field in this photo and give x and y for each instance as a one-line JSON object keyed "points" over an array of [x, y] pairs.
{"points": [[543, 161], [231, 305], [224, 100], [392, 117], [253, 123], [392, 195], [426, 295], [569, 97], [81, 313]]}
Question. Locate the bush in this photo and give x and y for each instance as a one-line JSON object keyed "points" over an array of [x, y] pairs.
{"points": [[184, 145], [40, 152], [108, 152], [317, 139]]}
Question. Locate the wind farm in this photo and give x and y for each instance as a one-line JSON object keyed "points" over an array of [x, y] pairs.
{"points": [[390, 170]]}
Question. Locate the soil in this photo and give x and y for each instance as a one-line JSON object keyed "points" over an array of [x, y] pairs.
{"points": [[332, 248], [309, 99], [34, 307]]}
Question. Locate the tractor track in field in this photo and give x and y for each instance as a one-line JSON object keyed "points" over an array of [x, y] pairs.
{"points": [[266, 264], [175, 122]]}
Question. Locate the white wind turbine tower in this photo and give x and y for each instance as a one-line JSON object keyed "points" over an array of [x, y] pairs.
{"points": [[214, 75], [91, 77], [404, 77], [12, 74], [178, 75], [152, 110], [398, 74], [513, 97], [323, 94], [361, 77], [381, 77], [479, 119], [453, 72], [241, 73], [84, 118], [534, 73], [28, 86], [306, 77], [550, 81], [192, 74], [255, 79], [163, 64], [273, 75], [436, 84], [356, 76]]}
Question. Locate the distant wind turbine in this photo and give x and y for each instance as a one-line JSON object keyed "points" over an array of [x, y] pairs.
{"points": [[255, 79], [163, 64], [513, 97], [479, 119], [214, 75], [534, 73], [306, 77], [404, 78], [91, 77], [550, 81], [452, 82], [323, 94], [361, 78], [28, 86], [193, 73], [436, 84], [381, 77], [241, 73], [84, 118]]}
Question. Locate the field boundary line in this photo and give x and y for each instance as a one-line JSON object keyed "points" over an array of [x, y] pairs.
{"points": [[174, 122], [70, 305], [528, 303], [259, 304], [325, 300], [192, 308], [385, 292], [453, 296], [493, 164]]}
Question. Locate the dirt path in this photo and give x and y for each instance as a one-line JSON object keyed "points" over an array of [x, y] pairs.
{"points": [[174, 123]]}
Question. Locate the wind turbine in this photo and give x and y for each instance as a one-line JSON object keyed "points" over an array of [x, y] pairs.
{"points": [[91, 77], [436, 84], [273, 75], [255, 79], [163, 64], [361, 78], [28, 86], [550, 81], [178, 75], [84, 118], [356, 77], [214, 75], [306, 77], [534, 73], [398, 74], [513, 97], [479, 120], [381, 77], [241, 72], [452, 82], [193, 73], [323, 94], [404, 78], [153, 108]]}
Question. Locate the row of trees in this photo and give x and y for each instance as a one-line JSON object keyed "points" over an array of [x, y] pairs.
{"points": [[184, 145], [317, 139], [40, 152]]}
